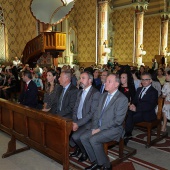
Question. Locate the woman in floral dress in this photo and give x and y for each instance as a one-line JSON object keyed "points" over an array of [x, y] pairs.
{"points": [[166, 106]]}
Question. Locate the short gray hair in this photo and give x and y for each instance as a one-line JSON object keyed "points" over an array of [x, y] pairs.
{"points": [[89, 75], [117, 78], [68, 73]]}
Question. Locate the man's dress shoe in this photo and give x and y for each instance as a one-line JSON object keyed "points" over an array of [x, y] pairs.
{"points": [[94, 166], [83, 157], [76, 152], [105, 168], [128, 136]]}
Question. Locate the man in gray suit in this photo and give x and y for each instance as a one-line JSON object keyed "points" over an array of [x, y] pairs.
{"points": [[107, 124], [86, 105], [66, 96]]}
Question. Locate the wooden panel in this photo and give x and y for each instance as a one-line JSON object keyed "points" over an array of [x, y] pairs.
{"points": [[34, 130], [53, 140], [5, 117], [44, 132], [19, 123]]}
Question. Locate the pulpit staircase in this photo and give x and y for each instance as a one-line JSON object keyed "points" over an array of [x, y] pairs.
{"points": [[53, 42]]}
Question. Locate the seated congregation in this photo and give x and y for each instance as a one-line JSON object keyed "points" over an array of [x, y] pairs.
{"points": [[103, 104]]}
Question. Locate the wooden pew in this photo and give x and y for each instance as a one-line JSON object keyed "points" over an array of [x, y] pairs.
{"points": [[124, 152], [47, 133], [154, 124]]}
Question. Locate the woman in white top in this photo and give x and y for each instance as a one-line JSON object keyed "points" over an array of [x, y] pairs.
{"points": [[166, 106]]}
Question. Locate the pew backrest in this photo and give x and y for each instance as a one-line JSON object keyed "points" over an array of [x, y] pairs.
{"points": [[42, 131]]}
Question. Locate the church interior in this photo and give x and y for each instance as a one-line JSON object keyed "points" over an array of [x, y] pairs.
{"points": [[80, 34], [129, 32]]}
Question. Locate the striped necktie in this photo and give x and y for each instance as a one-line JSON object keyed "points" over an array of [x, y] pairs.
{"points": [[141, 93]]}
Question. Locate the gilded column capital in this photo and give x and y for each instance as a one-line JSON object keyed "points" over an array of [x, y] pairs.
{"points": [[140, 6], [165, 16]]}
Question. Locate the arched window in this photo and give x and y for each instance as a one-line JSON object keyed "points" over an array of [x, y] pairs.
{"points": [[2, 36]]}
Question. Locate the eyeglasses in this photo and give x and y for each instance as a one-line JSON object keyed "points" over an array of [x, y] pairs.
{"points": [[145, 79]]}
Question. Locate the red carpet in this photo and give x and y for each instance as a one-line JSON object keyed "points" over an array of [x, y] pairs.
{"points": [[124, 166], [127, 165], [161, 145]]}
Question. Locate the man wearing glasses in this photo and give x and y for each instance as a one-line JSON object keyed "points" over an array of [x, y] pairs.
{"points": [[143, 106]]}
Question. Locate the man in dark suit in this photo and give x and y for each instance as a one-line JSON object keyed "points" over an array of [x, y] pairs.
{"points": [[101, 87], [107, 124], [86, 105], [143, 106], [66, 97], [28, 96]]}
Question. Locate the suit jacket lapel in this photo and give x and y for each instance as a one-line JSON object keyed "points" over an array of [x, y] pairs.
{"points": [[67, 91], [29, 85]]}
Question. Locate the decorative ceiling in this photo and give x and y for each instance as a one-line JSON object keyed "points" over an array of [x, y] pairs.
{"points": [[54, 11], [51, 11], [154, 6]]}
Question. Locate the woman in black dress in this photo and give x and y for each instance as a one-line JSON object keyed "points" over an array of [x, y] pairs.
{"points": [[127, 86]]}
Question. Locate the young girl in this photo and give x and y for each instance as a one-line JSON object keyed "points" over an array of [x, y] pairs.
{"points": [[166, 107]]}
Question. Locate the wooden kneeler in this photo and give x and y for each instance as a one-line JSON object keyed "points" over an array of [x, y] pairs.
{"points": [[154, 124], [124, 151]]}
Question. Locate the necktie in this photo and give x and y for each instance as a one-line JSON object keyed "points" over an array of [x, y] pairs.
{"points": [[26, 86], [61, 99], [101, 89], [104, 107], [79, 112], [140, 95]]}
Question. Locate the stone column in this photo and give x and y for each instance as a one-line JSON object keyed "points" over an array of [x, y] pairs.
{"points": [[102, 31], [140, 8], [164, 34], [139, 37]]}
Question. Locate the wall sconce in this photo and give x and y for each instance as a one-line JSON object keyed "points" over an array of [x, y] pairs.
{"points": [[107, 50], [168, 54], [143, 52]]}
